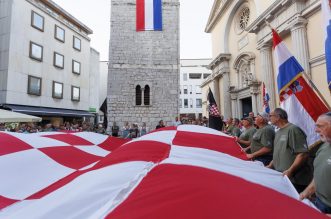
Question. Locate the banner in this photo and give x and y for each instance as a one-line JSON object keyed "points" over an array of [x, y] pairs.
{"points": [[149, 15]]}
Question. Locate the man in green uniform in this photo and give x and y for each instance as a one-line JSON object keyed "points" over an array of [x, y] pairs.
{"points": [[235, 130], [290, 154], [321, 183], [262, 142], [229, 126], [246, 137]]}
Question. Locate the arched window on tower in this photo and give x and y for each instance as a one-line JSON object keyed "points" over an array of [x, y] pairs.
{"points": [[147, 95], [138, 95]]}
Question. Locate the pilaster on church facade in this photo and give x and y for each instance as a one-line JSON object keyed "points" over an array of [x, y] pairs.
{"points": [[256, 94], [268, 72], [220, 70], [300, 42]]}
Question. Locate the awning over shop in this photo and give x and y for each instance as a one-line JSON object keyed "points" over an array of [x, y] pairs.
{"points": [[45, 111], [9, 116]]}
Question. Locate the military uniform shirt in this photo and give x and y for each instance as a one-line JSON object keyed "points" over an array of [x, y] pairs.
{"points": [[236, 131], [229, 129], [247, 135], [322, 173], [263, 137], [289, 141]]}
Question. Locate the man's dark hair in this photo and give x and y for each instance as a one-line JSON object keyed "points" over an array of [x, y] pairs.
{"points": [[281, 113]]}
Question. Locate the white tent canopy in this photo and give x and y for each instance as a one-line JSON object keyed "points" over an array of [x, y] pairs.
{"points": [[9, 116]]}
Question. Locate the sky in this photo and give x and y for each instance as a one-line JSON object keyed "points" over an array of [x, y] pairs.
{"points": [[195, 43]]}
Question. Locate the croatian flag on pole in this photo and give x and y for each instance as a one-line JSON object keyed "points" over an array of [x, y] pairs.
{"points": [[326, 10], [296, 96], [266, 99], [149, 15]]}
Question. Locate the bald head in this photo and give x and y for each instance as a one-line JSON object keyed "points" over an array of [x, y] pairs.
{"points": [[326, 116], [323, 127]]}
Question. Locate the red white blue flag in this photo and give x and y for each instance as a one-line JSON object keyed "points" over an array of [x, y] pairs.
{"points": [[296, 96], [326, 10], [266, 99], [149, 15]]}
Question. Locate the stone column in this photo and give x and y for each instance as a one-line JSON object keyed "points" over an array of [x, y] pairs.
{"points": [[238, 78], [255, 90], [240, 108], [268, 74], [300, 42], [142, 96], [234, 104], [252, 68], [216, 92], [254, 103], [227, 98]]}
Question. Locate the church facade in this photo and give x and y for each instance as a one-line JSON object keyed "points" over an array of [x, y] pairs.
{"points": [[243, 55], [143, 82]]}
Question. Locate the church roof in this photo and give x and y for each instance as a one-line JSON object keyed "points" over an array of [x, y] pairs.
{"points": [[217, 11]]}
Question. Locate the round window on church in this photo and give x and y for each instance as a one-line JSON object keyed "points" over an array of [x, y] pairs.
{"points": [[242, 19]]}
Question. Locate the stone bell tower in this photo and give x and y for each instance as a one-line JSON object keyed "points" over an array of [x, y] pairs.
{"points": [[143, 80]]}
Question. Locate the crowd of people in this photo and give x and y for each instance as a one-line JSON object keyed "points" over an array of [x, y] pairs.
{"points": [[32, 127], [281, 145], [134, 130]]}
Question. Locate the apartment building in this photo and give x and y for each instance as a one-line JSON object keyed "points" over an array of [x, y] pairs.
{"points": [[47, 67], [192, 73]]}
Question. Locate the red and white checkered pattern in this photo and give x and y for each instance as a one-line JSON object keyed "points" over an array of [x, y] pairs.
{"points": [[285, 94], [177, 172], [213, 111]]}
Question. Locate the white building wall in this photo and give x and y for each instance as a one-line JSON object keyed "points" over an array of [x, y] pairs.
{"points": [[5, 19], [103, 81], [94, 81], [187, 67], [21, 65]]}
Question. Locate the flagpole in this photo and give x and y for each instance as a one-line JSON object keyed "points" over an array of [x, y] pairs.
{"points": [[311, 83], [269, 25], [316, 89]]}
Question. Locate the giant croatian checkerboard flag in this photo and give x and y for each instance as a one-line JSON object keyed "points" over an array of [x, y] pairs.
{"points": [[177, 172], [149, 15], [326, 9], [297, 97]]}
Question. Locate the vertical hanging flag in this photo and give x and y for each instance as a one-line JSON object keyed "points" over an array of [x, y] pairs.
{"points": [[297, 97], [215, 121], [326, 11], [149, 15], [266, 99]]}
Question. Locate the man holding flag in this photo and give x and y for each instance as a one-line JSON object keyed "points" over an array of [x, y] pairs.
{"points": [[304, 108], [290, 155], [215, 121]]}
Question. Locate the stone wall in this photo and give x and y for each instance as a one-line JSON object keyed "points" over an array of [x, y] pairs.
{"points": [[143, 58]]}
